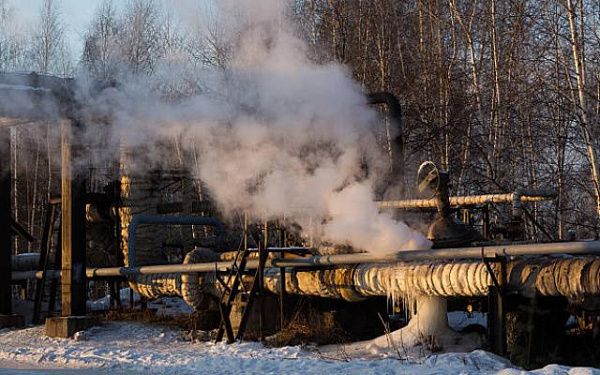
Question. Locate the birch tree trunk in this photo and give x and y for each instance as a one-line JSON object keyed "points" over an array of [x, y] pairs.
{"points": [[577, 40]]}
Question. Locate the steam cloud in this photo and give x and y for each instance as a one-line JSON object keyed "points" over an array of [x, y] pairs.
{"points": [[276, 134]]}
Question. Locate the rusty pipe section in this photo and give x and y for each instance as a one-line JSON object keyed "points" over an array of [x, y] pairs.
{"points": [[572, 277], [515, 198]]}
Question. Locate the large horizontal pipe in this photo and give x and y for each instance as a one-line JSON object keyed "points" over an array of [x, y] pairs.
{"points": [[572, 277], [471, 200], [553, 248], [25, 261]]}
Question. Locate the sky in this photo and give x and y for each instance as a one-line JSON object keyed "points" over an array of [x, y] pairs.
{"points": [[75, 15]]}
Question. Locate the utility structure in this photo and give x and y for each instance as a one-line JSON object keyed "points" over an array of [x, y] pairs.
{"points": [[27, 98], [5, 217], [212, 277]]}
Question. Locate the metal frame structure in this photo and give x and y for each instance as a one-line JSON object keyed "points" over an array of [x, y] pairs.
{"points": [[27, 98], [52, 97], [5, 217]]}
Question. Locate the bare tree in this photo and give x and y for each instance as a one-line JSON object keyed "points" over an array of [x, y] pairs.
{"points": [[139, 35], [100, 52], [12, 39], [49, 51]]}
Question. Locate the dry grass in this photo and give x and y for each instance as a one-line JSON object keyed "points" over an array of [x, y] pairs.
{"points": [[204, 321], [311, 326]]}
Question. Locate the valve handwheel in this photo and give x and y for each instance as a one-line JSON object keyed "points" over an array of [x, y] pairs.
{"points": [[428, 178]]}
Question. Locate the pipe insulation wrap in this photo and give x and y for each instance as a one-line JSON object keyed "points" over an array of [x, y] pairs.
{"points": [[517, 197], [572, 277], [158, 285], [195, 286]]}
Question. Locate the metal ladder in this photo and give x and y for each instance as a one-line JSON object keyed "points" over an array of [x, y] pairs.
{"points": [[236, 287]]}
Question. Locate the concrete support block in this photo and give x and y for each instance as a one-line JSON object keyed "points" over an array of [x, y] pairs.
{"points": [[67, 326]]}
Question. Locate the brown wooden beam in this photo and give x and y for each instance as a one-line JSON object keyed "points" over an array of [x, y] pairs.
{"points": [[15, 121], [73, 281]]}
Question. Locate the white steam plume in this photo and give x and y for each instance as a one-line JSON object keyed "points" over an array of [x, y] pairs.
{"points": [[278, 135]]}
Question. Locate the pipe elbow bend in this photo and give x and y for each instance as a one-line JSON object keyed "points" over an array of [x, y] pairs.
{"points": [[196, 286]]}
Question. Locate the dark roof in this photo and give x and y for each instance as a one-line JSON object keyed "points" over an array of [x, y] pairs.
{"points": [[35, 96]]}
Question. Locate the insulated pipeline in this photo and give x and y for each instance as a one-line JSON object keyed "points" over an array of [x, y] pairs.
{"points": [[568, 277], [439, 272], [572, 277], [554, 248], [517, 197]]}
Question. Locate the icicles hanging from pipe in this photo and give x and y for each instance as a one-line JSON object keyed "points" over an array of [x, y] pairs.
{"points": [[464, 278], [572, 277]]}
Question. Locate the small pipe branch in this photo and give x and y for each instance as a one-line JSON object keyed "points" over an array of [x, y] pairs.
{"points": [[163, 220]]}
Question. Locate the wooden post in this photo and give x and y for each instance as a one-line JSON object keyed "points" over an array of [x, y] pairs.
{"points": [[73, 179], [5, 213]]}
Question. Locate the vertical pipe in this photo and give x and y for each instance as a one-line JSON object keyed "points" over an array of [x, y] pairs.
{"points": [[54, 282], [282, 292], [246, 231], [5, 214], [502, 280], [497, 311], [261, 278], [73, 281], [116, 197], [397, 144], [486, 222]]}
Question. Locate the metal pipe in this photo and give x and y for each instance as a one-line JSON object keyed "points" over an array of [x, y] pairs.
{"points": [[522, 196], [580, 247], [554, 248], [166, 269], [572, 277], [25, 261], [24, 275], [397, 144], [163, 220]]}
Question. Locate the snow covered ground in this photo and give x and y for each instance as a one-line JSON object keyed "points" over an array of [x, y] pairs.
{"points": [[120, 347]]}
